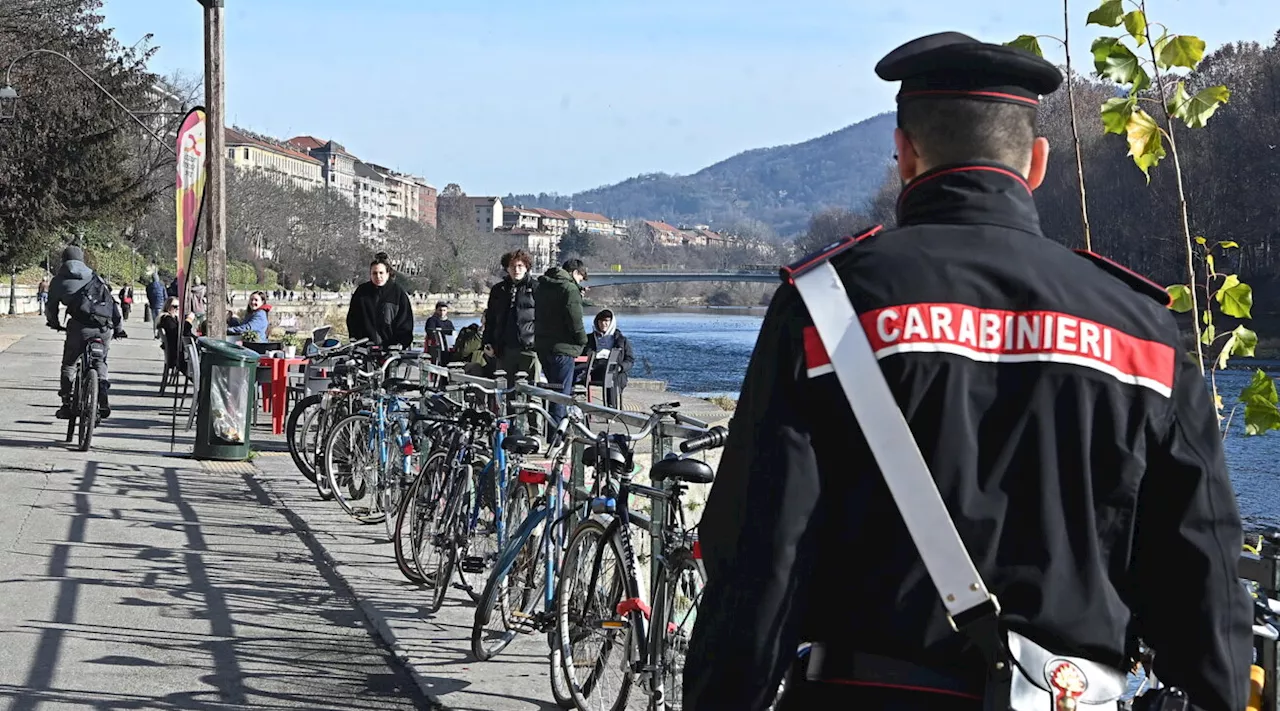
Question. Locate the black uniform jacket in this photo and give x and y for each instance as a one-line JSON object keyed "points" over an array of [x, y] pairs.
{"points": [[1072, 441]]}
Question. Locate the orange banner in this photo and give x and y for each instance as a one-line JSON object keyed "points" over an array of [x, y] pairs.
{"points": [[190, 194]]}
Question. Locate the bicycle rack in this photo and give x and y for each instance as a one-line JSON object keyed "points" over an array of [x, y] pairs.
{"points": [[1263, 568]]}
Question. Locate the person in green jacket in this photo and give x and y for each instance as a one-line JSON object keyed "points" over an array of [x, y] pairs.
{"points": [[558, 333]]}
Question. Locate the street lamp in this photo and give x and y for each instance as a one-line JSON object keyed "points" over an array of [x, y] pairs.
{"points": [[9, 95]]}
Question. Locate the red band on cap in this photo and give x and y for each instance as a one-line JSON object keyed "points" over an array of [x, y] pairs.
{"points": [[991, 94]]}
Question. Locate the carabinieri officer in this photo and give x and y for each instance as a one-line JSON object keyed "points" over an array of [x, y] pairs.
{"points": [[1073, 442]]}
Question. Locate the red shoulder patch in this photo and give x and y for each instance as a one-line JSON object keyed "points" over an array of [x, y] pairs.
{"points": [[1133, 279], [817, 361]]}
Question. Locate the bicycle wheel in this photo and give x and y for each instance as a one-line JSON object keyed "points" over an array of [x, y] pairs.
{"points": [[508, 606], [352, 468], [426, 528], [419, 494], [480, 547], [452, 531], [88, 409], [675, 612], [596, 643], [301, 421]]}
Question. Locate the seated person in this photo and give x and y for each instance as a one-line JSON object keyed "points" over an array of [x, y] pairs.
{"points": [[604, 339]]}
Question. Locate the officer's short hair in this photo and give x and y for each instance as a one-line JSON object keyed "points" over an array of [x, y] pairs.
{"points": [[950, 130]]}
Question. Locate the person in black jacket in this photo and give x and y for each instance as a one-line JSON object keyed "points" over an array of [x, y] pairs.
{"points": [[1072, 440], [380, 310], [508, 328]]}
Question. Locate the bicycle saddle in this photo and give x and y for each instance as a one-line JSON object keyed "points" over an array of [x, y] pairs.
{"points": [[400, 385], [690, 471], [617, 463], [520, 444]]}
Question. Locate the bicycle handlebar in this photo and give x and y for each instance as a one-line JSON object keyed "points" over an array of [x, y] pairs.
{"points": [[715, 438]]}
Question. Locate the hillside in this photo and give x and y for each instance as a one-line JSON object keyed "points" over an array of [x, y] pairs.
{"points": [[781, 186]]}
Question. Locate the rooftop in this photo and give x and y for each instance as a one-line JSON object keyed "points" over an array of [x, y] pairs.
{"points": [[238, 137]]}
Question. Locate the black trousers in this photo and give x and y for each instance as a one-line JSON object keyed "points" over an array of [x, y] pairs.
{"points": [[71, 350], [801, 694]]}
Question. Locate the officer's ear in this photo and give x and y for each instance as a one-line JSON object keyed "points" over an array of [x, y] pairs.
{"points": [[908, 160], [1039, 162]]}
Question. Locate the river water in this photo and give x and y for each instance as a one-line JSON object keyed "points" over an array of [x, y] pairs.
{"points": [[705, 352]]}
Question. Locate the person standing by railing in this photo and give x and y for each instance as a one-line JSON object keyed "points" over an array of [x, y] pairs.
{"points": [[508, 335], [559, 336]]}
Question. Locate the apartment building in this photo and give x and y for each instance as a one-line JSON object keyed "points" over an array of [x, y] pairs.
{"points": [[552, 222], [540, 245], [337, 165], [519, 218], [427, 197], [284, 164], [488, 211], [660, 232], [371, 199], [590, 223]]}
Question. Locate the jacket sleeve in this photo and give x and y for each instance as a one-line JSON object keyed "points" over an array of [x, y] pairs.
{"points": [[403, 327], [575, 316], [490, 314], [758, 532], [1188, 527], [53, 304], [355, 329], [628, 356]]}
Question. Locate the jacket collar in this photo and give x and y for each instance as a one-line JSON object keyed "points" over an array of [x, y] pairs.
{"points": [[969, 194]]}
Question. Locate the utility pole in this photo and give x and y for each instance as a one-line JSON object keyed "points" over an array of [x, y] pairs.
{"points": [[215, 199]]}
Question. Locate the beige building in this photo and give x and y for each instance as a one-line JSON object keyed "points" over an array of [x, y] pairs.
{"points": [[488, 211], [402, 194], [371, 199], [552, 222], [660, 232], [519, 218], [541, 246], [590, 223], [337, 165], [286, 165]]}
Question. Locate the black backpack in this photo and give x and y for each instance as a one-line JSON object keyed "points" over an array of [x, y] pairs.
{"points": [[92, 306]]}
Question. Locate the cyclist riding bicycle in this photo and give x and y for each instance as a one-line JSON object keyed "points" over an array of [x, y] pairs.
{"points": [[92, 313]]}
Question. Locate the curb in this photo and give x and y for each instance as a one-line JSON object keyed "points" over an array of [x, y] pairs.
{"points": [[377, 622]]}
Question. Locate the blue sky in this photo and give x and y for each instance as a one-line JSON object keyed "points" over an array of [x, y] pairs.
{"points": [[561, 95]]}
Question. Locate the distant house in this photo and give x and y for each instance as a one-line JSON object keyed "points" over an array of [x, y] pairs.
{"points": [[541, 246], [519, 218], [337, 165], [552, 222], [661, 233]]}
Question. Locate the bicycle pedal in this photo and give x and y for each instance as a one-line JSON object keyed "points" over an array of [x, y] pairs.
{"points": [[473, 564]]}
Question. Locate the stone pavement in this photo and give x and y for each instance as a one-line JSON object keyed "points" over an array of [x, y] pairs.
{"points": [[136, 579], [219, 585]]}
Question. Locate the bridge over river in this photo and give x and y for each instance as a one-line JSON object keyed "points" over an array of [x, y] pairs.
{"points": [[650, 276]]}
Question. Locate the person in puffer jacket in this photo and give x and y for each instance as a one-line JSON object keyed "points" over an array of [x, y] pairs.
{"points": [[380, 309]]}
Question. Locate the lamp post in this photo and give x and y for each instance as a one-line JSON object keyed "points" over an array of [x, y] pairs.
{"points": [[9, 95]]}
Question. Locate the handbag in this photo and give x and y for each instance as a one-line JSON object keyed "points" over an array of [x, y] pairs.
{"points": [[1021, 674]]}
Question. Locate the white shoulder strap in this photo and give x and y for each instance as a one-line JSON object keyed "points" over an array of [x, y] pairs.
{"points": [[905, 472]]}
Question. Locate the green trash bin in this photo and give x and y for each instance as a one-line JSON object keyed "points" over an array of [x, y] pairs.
{"points": [[228, 394]]}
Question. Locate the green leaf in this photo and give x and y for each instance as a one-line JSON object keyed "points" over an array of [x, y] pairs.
{"points": [[1030, 43], [1259, 398], [1207, 334], [1116, 112], [1228, 244], [1146, 145], [1113, 60], [1236, 297], [1206, 316], [1196, 110], [1199, 240], [1136, 23], [1108, 14], [1181, 298], [1244, 342], [1180, 51], [1213, 269]]}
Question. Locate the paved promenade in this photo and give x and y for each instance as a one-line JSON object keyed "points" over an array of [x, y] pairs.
{"points": [[137, 578]]}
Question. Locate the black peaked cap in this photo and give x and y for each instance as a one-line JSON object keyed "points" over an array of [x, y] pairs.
{"points": [[950, 64]]}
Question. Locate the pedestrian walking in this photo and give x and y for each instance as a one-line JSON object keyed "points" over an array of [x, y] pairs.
{"points": [[1071, 440], [126, 300]]}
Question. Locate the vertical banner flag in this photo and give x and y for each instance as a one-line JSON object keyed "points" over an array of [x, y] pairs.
{"points": [[190, 195]]}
